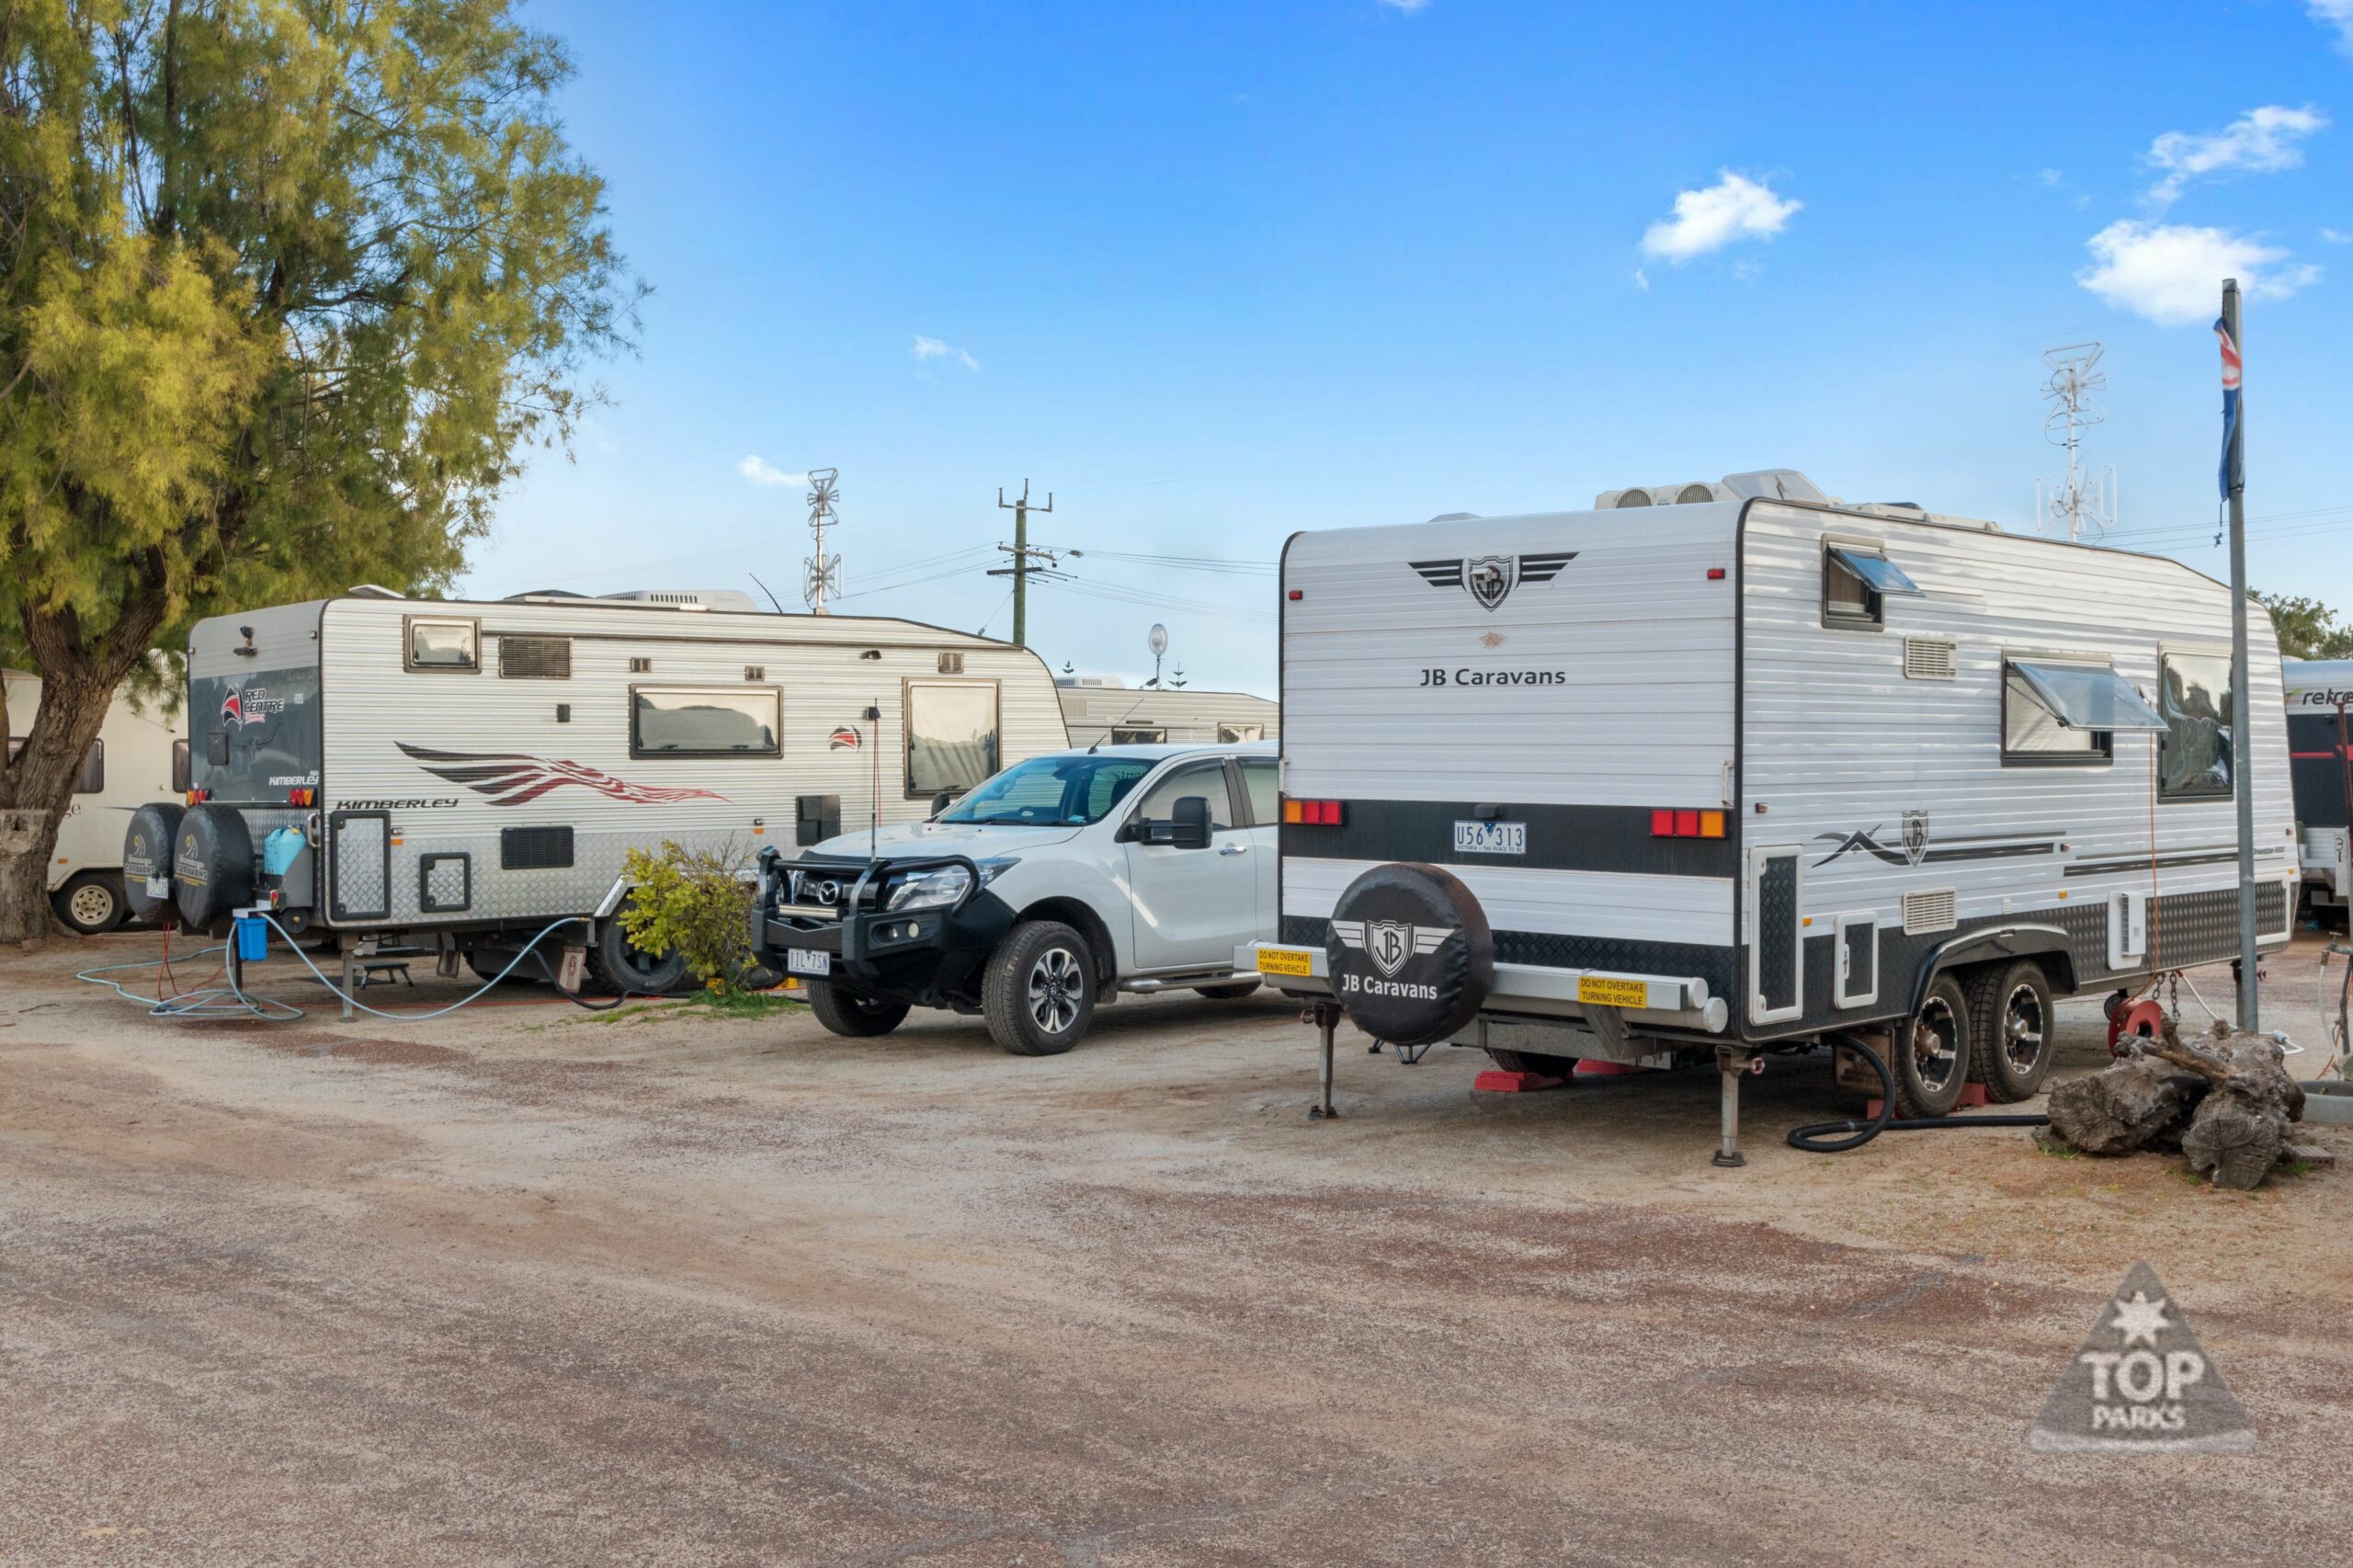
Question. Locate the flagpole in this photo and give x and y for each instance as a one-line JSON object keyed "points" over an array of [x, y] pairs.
{"points": [[2242, 731]]}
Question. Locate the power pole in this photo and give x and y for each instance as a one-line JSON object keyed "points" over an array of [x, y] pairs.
{"points": [[1021, 553], [2233, 486]]}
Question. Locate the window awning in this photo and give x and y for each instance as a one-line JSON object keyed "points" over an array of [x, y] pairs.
{"points": [[2089, 697], [1881, 574]]}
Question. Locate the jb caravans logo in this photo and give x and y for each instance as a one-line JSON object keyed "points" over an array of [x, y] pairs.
{"points": [[1390, 944], [1489, 579]]}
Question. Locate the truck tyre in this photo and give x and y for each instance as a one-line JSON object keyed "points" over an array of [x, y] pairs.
{"points": [[92, 902], [1039, 991], [627, 969], [2010, 1013], [1233, 992], [846, 1013], [1930, 1059]]}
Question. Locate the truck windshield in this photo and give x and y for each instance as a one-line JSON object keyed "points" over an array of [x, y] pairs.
{"points": [[1052, 791]]}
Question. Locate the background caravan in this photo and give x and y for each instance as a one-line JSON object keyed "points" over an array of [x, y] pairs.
{"points": [[2316, 691], [138, 755], [1749, 769], [466, 773], [1101, 708]]}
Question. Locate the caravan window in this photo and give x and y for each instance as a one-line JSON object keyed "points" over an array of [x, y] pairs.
{"points": [[2194, 753], [2057, 711], [1132, 736], [680, 720], [951, 736], [436, 644], [1856, 580], [1229, 733]]}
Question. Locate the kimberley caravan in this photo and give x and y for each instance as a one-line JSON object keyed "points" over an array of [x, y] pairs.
{"points": [[1732, 767], [2319, 692], [461, 775]]}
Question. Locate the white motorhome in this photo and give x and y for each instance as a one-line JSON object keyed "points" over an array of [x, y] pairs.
{"points": [[2318, 692], [1103, 709], [138, 755], [465, 773], [1734, 767]]}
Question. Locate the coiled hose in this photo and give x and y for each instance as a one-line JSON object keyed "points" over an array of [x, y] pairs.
{"points": [[1838, 1137]]}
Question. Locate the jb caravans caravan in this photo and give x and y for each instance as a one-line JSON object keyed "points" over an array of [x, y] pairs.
{"points": [[2319, 693], [138, 755], [461, 774], [1729, 767]]}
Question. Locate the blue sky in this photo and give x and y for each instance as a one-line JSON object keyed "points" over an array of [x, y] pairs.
{"points": [[1212, 273]]}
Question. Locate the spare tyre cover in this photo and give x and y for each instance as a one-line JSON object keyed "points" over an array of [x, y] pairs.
{"points": [[212, 869], [147, 850], [1410, 954]]}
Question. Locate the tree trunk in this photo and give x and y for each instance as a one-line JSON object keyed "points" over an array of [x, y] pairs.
{"points": [[78, 685]]}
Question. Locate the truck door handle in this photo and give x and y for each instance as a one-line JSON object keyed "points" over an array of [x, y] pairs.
{"points": [[1234, 849]]}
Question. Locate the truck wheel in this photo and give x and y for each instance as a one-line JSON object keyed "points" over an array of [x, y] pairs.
{"points": [[628, 969], [92, 902], [1233, 992], [1038, 994], [1533, 1061], [2010, 1016], [1930, 1061], [846, 1013]]}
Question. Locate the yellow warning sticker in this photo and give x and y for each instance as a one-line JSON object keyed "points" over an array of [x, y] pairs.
{"points": [[1605, 992], [1276, 961]]}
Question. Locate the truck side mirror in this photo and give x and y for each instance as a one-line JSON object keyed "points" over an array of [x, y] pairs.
{"points": [[941, 801], [1190, 827]]}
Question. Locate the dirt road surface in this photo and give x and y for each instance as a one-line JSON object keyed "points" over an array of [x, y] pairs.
{"points": [[530, 1285]]}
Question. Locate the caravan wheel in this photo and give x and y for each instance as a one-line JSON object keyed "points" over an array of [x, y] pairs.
{"points": [[1930, 1062], [2010, 1009], [1533, 1061], [91, 902], [628, 969]]}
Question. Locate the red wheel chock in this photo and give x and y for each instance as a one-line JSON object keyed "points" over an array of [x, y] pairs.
{"points": [[1495, 1081]]}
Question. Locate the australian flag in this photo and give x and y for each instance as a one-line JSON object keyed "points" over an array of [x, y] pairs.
{"points": [[2234, 469]]}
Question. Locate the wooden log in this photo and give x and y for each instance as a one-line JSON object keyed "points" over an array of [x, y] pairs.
{"points": [[2120, 1110]]}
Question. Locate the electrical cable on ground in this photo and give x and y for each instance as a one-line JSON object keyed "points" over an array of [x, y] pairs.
{"points": [[1838, 1137]]}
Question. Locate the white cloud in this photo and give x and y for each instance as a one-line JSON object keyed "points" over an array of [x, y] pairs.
{"points": [[2051, 177], [755, 468], [1734, 208], [1642, 281], [1408, 6], [2336, 236], [2173, 273], [2337, 14], [2260, 141], [926, 349]]}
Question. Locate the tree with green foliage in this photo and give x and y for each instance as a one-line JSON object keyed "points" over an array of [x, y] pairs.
{"points": [[2307, 627], [287, 288], [698, 902]]}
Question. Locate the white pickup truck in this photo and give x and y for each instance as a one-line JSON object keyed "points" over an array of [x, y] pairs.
{"points": [[1049, 889]]}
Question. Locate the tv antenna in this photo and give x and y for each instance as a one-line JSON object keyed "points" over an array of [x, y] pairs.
{"points": [[2077, 506], [821, 574], [1157, 641]]}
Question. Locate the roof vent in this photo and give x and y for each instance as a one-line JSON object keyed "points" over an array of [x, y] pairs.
{"points": [[1691, 492], [1456, 518], [690, 598]]}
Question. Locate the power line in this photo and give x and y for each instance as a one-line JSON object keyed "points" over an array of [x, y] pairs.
{"points": [[1020, 550]]}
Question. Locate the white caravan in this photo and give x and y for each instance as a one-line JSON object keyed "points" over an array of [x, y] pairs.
{"points": [[464, 772], [138, 755], [1733, 767], [2318, 692], [1103, 710]]}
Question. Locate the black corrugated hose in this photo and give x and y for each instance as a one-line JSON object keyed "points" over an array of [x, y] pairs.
{"points": [[1838, 1137]]}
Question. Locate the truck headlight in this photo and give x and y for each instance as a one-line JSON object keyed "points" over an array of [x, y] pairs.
{"points": [[930, 889]]}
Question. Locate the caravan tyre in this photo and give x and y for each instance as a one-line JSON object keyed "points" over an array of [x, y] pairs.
{"points": [[91, 904], [147, 852], [2010, 1013], [626, 968], [1930, 1060], [212, 867], [1410, 954]]}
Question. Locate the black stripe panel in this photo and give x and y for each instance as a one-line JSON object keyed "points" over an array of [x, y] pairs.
{"points": [[1560, 838]]}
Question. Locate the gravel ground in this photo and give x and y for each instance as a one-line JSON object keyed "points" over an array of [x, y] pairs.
{"points": [[529, 1285]]}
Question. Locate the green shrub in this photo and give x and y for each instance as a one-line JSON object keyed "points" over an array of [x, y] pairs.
{"points": [[698, 902]]}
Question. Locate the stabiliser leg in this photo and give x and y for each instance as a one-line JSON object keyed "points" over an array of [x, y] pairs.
{"points": [[1732, 1066], [1325, 1016]]}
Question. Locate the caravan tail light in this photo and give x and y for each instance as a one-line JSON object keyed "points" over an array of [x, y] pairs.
{"points": [[197, 797], [1312, 813], [301, 797], [1687, 824]]}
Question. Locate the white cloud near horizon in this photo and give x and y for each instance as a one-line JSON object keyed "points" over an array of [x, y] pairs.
{"points": [[1408, 6], [926, 349], [756, 468], [1736, 208], [2172, 273], [2262, 141], [2337, 14]]}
